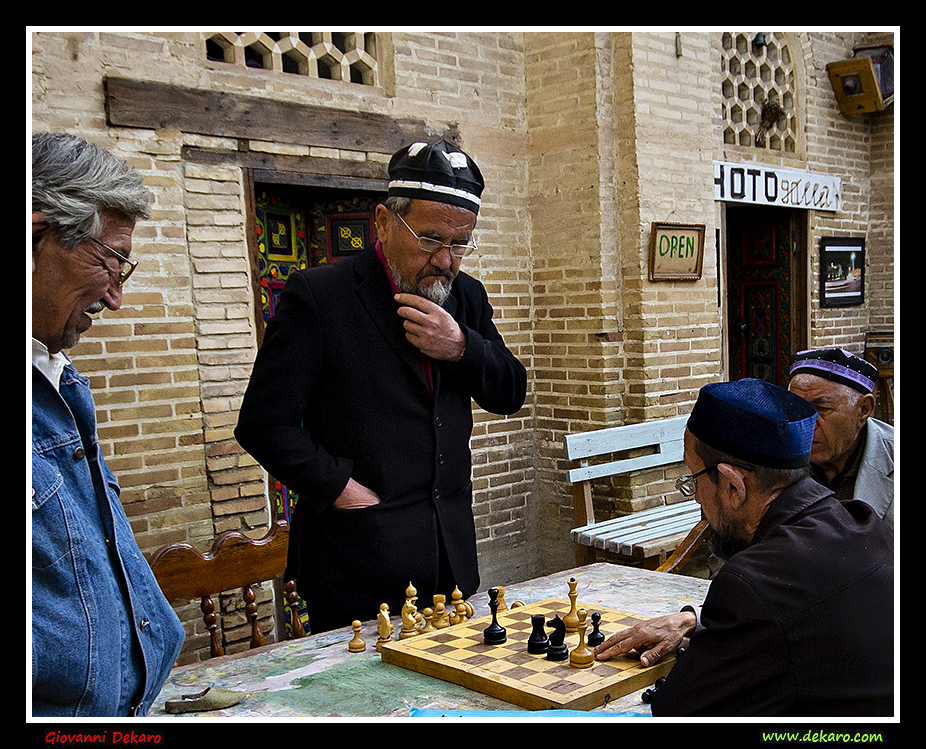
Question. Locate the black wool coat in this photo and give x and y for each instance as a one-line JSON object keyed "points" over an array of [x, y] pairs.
{"points": [[800, 623], [337, 391]]}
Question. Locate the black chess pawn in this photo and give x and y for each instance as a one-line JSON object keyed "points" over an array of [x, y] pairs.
{"points": [[595, 637], [538, 641], [494, 634], [557, 650]]}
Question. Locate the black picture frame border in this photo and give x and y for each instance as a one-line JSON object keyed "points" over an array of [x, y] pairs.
{"points": [[835, 249]]}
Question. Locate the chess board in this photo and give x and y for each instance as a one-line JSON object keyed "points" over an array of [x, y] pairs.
{"points": [[508, 672]]}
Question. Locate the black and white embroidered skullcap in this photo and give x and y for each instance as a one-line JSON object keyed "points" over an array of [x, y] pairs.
{"points": [[436, 171], [837, 365]]}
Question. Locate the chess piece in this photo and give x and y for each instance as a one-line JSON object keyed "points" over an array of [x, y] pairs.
{"points": [[502, 606], [557, 650], [428, 614], [494, 634], [581, 656], [595, 637], [441, 618], [538, 642], [385, 626], [571, 620], [462, 610], [410, 615], [356, 645]]}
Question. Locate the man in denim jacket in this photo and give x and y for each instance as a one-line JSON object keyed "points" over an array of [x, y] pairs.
{"points": [[103, 636]]}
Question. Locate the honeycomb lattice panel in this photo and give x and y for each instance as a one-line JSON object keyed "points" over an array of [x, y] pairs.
{"points": [[339, 56], [758, 92]]}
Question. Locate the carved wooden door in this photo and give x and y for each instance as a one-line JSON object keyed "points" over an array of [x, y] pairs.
{"points": [[760, 296]]}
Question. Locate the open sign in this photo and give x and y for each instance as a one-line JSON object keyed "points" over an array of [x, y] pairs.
{"points": [[676, 252]]}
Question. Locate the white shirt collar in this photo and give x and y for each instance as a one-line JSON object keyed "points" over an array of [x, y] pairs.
{"points": [[50, 365]]}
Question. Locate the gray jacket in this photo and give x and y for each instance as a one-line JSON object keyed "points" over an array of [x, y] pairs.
{"points": [[875, 481]]}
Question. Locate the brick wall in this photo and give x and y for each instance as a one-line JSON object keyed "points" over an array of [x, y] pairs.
{"points": [[859, 149], [585, 139], [610, 154], [574, 283], [169, 369]]}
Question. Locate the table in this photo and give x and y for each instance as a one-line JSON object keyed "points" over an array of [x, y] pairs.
{"points": [[317, 677]]}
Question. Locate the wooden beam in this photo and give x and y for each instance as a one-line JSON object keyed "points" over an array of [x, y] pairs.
{"points": [[156, 106], [288, 169]]}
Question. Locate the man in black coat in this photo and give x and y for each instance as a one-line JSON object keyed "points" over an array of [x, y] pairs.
{"points": [[799, 620], [360, 400]]}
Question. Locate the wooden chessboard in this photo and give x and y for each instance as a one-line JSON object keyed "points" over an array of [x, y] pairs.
{"points": [[508, 672]]}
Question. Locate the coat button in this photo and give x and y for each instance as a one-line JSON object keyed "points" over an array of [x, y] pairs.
{"points": [[79, 453]]}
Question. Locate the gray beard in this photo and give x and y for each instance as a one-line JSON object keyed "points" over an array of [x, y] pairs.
{"points": [[723, 544], [437, 292]]}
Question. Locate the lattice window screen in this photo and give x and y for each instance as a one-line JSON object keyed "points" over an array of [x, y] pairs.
{"points": [[758, 92], [339, 56]]}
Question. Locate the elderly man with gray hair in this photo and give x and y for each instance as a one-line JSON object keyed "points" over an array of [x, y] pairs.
{"points": [[853, 453], [103, 636], [799, 620]]}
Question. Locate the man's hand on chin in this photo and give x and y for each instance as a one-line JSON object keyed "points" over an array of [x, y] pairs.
{"points": [[430, 328]]}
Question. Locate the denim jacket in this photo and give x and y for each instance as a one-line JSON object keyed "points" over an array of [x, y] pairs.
{"points": [[103, 636]]}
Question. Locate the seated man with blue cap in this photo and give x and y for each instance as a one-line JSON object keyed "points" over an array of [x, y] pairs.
{"points": [[361, 399], [799, 620], [853, 452]]}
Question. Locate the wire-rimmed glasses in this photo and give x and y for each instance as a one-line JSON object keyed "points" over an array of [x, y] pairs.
{"points": [[426, 244], [688, 485], [126, 265]]}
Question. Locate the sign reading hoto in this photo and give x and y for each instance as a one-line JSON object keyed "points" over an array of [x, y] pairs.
{"points": [[766, 185], [676, 252]]}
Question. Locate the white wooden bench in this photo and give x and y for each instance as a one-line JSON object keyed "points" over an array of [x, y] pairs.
{"points": [[661, 537]]}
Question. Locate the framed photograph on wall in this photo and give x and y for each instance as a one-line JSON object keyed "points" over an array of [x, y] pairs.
{"points": [[676, 252], [842, 272]]}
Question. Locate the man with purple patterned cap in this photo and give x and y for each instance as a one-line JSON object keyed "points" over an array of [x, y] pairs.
{"points": [[853, 453], [799, 620], [361, 399]]}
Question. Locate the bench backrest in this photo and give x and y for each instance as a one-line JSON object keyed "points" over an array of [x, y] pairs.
{"points": [[665, 435], [663, 440]]}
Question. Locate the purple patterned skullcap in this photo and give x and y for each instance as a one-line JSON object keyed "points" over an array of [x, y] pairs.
{"points": [[436, 171], [837, 365]]}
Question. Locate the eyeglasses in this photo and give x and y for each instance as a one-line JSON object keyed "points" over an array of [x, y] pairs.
{"points": [[431, 246], [688, 485], [126, 265]]}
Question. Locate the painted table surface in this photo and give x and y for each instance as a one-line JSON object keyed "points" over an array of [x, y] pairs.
{"points": [[317, 676]]}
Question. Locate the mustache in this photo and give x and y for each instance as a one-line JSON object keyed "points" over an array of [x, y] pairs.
{"points": [[95, 308], [447, 275]]}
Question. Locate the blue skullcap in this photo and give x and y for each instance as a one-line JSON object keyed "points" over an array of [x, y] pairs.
{"points": [[755, 421], [837, 365], [436, 171]]}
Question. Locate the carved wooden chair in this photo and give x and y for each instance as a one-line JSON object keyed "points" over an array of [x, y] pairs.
{"points": [[234, 561]]}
